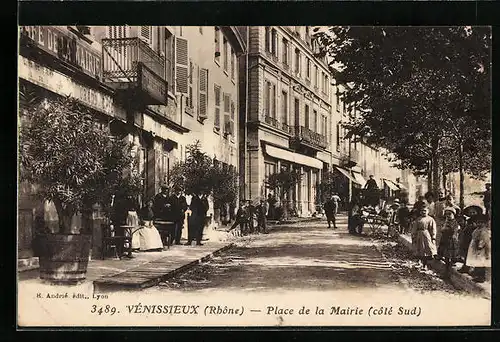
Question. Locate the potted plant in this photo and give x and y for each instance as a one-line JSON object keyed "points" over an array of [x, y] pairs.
{"points": [[282, 183], [69, 157]]}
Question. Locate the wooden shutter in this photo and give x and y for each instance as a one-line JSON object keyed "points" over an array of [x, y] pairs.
{"points": [[227, 109], [146, 34], [182, 63], [203, 97], [217, 106]]}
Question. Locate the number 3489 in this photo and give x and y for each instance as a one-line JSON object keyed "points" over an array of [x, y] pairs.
{"points": [[106, 310]]}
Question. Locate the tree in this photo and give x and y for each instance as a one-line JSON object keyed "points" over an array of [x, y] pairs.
{"points": [[330, 183], [282, 182], [195, 174], [73, 162], [435, 90]]}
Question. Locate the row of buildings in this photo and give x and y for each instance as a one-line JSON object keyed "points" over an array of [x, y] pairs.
{"points": [[256, 98]]}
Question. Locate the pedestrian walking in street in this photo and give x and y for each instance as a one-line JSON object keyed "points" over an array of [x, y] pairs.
{"points": [[472, 213], [261, 217], [449, 246], [148, 236], [330, 207], [479, 252], [252, 217], [242, 218], [423, 236], [440, 205], [415, 212]]}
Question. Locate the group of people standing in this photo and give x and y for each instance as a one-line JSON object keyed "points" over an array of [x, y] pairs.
{"points": [[440, 230], [165, 212], [252, 219]]}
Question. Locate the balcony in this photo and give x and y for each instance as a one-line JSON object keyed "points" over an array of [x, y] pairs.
{"points": [[276, 124], [306, 136], [130, 64]]}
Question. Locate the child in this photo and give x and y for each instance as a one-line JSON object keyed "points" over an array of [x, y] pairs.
{"points": [[479, 254], [449, 244], [423, 235], [404, 218]]}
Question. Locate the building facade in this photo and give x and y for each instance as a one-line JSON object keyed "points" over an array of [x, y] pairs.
{"points": [[151, 85], [288, 105]]}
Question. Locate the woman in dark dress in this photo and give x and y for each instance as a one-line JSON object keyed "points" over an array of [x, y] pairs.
{"points": [[465, 236]]}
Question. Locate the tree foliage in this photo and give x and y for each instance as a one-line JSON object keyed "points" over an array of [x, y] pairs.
{"points": [[74, 162], [202, 175], [421, 91]]}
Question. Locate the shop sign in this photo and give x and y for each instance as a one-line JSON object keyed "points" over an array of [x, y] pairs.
{"points": [[153, 85], [64, 85]]}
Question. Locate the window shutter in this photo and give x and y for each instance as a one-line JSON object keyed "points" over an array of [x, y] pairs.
{"points": [[227, 109], [181, 60], [217, 107], [203, 87], [146, 35]]}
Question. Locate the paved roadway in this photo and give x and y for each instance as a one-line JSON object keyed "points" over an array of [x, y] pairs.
{"points": [[316, 264]]}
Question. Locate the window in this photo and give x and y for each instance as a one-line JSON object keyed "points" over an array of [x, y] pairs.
{"points": [[308, 68], [297, 61], [324, 128], [284, 107], [169, 60], [217, 91], [338, 100], [231, 120], [297, 110], [267, 37], [284, 56], [227, 112], [270, 99], [315, 121], [146, 34], [233, 61], [203, 98], [338, 136], [306, 117], [315, 74], [274, 40], [226, 54], [217, 45]]}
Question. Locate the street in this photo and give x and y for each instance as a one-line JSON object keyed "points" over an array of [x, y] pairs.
{"points": [[309, 256]]}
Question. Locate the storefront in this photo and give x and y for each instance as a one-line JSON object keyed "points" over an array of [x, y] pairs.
{"points": [[304, 196]]}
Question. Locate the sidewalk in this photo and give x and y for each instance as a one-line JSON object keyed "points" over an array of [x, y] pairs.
{"points": [[459, 280], [145, 269]]}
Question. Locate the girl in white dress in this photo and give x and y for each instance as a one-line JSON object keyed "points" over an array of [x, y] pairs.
{"points": [[148, 236]]}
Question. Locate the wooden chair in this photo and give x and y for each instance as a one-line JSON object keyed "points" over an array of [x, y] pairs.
{"points": [[114, 243], [166, 230]]}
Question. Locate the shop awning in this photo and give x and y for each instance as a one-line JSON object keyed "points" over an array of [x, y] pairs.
{"points": [[359, 178], [391, 185], [293, 157], [346, 173]]}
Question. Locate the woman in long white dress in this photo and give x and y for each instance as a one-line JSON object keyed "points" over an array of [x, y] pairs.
{"points": [[148, 238]]}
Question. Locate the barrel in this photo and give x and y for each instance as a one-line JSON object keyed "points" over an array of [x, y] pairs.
{"points": [[64, 258]]}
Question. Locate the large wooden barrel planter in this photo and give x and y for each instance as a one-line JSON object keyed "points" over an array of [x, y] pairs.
{"points": [[64, 258]]}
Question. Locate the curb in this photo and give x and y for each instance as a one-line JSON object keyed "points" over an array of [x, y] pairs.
{"points": [[458, 280], [169, 274]]}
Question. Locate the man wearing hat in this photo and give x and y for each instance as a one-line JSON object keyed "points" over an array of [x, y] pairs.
{"points": [[261, 216], [162, 209]]}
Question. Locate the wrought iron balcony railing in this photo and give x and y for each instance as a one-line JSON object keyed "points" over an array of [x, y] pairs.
{"points": [[304, 134], [276, 123], [121, 57]]}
